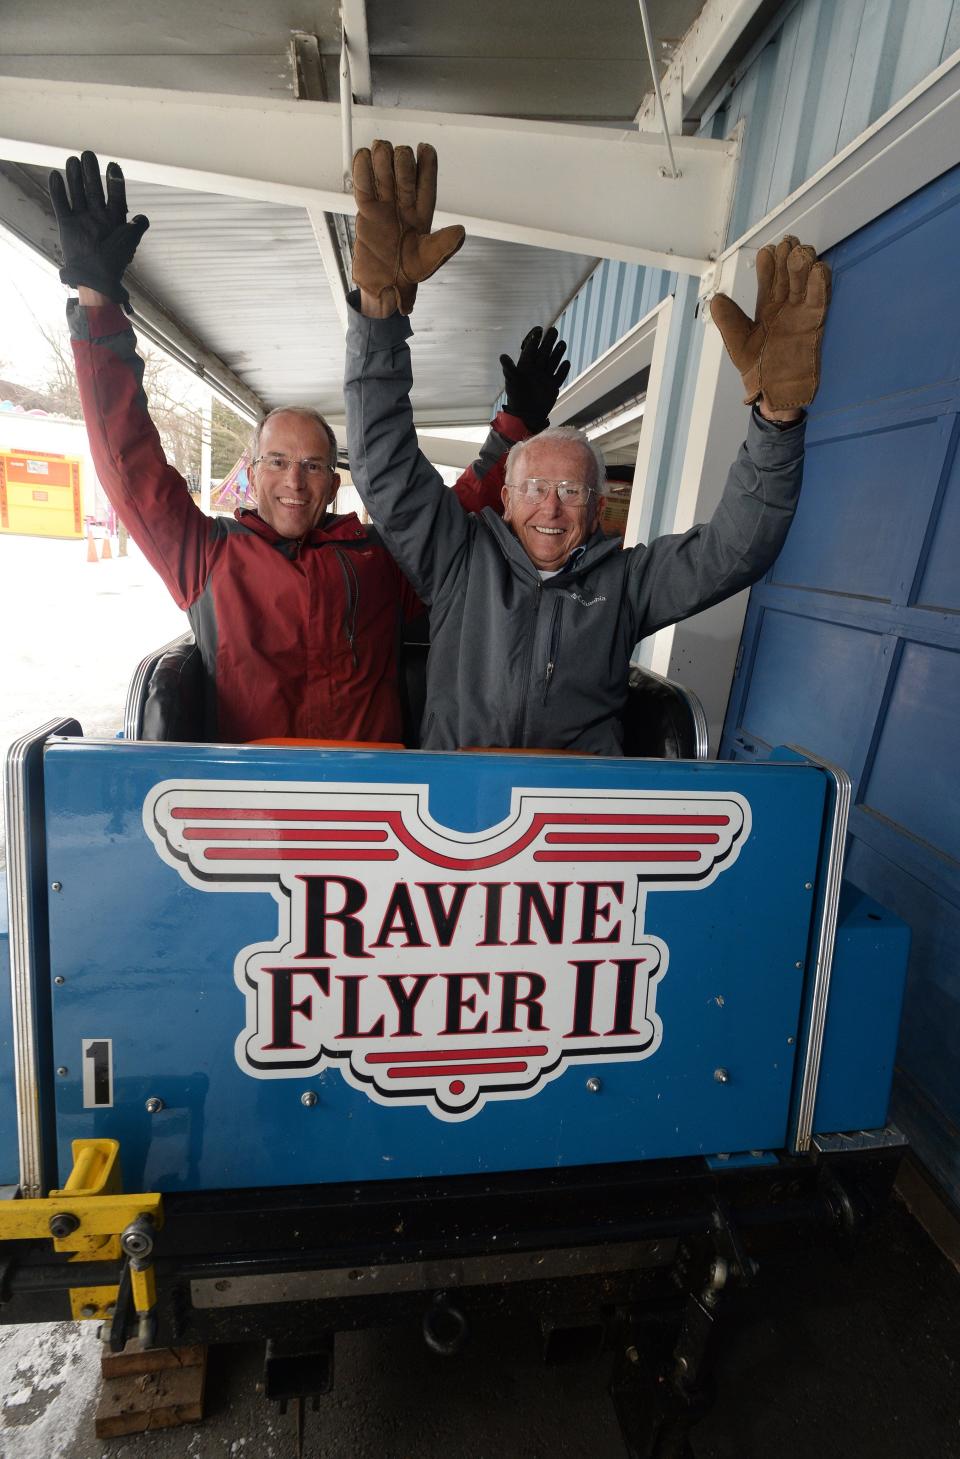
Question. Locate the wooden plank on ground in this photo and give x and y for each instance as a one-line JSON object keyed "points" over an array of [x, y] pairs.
{"points": [[135, 1358], [161, 1399]]}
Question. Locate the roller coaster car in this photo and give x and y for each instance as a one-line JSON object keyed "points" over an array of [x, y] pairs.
{"points": [[379, 1035]]}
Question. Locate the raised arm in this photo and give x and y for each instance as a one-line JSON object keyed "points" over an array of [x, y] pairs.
{"points": [[682, 574], [422, 523], [420, 520], [151, 498], [778, 355]]}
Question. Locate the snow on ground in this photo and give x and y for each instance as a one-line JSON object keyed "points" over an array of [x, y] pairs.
{"points": [[49, 1378], [73, 632]]}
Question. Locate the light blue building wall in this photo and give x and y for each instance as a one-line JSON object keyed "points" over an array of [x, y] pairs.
{"points": [[613, 299], [824, 72]]}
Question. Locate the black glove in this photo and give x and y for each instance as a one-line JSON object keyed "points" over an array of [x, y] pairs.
{"points": [[535, 381], [96, 240]]}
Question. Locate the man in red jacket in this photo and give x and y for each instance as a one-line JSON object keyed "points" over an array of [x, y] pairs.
{"points": [[297, 614]]}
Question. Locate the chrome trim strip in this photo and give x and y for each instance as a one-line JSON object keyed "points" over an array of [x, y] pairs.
{"points": [[136, 693], [430, 1276], [27, 1074], [824, 964], [701, 730], [700, 727], [886, 1139]]}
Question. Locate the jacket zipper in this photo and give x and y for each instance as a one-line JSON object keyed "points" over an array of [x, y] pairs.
{"points": [[555, 623], [528, 656], [351, 587]]}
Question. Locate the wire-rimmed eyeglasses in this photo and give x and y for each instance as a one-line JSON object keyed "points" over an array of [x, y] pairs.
{"points": [[274, 461], [538, 488]]}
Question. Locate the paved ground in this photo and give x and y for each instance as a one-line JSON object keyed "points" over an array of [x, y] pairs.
{"points": [[822, 1360]]}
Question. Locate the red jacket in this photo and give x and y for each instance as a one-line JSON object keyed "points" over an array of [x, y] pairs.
{"points": [[299, 638]]}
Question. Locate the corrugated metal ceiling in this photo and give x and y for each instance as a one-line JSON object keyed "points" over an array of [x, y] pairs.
{"points": [[246, 278]]}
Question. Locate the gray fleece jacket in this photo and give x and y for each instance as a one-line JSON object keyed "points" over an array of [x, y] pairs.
{"points": [[516, 660]]}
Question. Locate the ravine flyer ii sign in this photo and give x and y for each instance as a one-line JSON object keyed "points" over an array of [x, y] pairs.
{"points": [[439, 967]]}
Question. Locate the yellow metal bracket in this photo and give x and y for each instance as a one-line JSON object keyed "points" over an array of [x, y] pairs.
{"points": [[86, 1219]]}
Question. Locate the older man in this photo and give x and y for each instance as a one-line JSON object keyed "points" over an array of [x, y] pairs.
{"points": [[297, 613], [534, 617]]}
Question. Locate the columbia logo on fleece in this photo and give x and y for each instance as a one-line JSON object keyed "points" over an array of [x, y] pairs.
{"points": [[584, 602]]}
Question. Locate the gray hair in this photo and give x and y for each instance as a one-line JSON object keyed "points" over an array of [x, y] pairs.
{"points": [[568, 435], [304, 410]]}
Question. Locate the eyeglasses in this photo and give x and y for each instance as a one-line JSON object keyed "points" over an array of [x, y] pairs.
{"points": [[538, 488], [273, 461]]}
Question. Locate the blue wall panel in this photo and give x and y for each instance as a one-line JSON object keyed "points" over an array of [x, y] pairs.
{"points": [[813, 708], [940, 582], [873, 468], [921, 726], [878, 536], [927, 1090]]}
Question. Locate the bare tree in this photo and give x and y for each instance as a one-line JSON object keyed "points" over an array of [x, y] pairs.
{"points": [[178, 424]]}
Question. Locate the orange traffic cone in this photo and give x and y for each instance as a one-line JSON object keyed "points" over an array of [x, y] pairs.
{"points": [[91, 548], [105, 553]]}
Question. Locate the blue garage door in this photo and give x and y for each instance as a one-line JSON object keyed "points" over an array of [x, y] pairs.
{"points": [[851, 645]]}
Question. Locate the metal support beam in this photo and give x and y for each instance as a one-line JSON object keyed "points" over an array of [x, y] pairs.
{"points": [[332, 258], [588, 190], [25, 211], [652, 58], [702, 60], [346, 117], [353, 19]]}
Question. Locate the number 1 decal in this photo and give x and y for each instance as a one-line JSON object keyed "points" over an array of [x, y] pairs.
{"points": [[97, 1073]]}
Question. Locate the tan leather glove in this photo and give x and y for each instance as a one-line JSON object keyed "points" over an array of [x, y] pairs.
{"points": [[396, 195], [778, 352]]}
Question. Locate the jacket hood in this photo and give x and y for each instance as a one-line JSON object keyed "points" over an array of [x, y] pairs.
{"points": [[346, 528]]}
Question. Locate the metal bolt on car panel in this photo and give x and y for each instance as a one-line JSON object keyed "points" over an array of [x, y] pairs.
{"points": [[594, 1084], [137, 1239], [154, 1105], [63, 1224], [56, 886], [59, 980], [63, 1071], [309, 1098], [722, 1076]]}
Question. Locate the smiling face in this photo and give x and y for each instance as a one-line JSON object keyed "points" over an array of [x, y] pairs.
{"points": [[550, 530], [295, 500]]}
